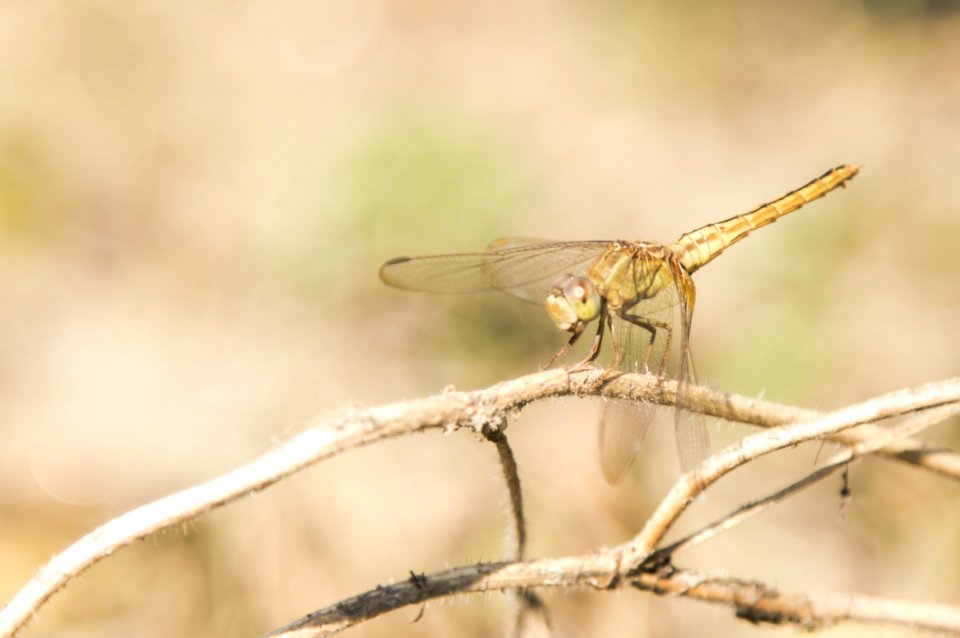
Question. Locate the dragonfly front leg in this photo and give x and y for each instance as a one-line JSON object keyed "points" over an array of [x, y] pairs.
{"points": [[565, 349], [594, 348]]}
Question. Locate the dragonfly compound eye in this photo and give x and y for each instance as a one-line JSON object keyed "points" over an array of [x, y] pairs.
{"points": [[583, 298], [573, 302]]}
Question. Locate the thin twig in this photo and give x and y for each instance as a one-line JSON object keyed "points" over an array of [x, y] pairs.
{"points": [[529, 614], [508, 465], [767, 414], [912, 425], [689, 486], [449, 410]]}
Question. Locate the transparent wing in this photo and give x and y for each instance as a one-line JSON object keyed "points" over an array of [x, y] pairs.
{"points": [[522, 267], [647, 334], [624, 424], [644, 339], [622, 429], [693, 438]]}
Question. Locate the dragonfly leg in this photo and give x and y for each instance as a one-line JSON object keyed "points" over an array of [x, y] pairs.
{"points": [[652, 327], [595, 347], [565, 349], [666, 349], [617, 350]]}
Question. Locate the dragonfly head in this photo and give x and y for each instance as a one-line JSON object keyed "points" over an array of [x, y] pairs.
{"points": [[573, 302]]}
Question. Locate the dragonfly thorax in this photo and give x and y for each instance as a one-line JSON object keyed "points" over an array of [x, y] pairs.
{"points": [[573, 302]]}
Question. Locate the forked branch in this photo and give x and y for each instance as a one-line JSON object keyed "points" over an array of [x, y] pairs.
{"points": [[489, 409], [636, 564]]}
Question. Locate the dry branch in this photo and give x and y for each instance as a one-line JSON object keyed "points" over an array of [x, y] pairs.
{"points": [[477, 410], [751, 600], [692, 484], [636, 564], [912, 425]]}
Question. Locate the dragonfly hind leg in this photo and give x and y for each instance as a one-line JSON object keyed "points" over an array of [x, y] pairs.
{"points": [[652, 326]]}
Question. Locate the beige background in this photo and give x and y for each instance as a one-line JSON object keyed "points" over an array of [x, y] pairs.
{"points": [[194, 202]]}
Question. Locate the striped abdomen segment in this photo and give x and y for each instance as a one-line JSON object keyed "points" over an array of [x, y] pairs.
{"points": [[701, 246]]}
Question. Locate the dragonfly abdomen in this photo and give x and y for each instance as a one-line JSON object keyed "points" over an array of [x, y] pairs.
{"points": [[701, 246]]}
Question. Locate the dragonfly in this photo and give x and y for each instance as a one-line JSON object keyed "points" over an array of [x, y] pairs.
{"points": [[641, 292]]}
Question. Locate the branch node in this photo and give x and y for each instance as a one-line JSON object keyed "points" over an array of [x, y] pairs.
{"points": [[419, 581]]}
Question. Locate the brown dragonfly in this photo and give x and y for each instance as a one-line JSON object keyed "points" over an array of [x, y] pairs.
{"points": [[639, 291]]}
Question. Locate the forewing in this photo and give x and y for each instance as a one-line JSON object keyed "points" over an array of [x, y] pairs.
{"points": [[524, 268]]}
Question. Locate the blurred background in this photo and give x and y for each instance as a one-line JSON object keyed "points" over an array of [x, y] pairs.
{"points": [[195, 200]]}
